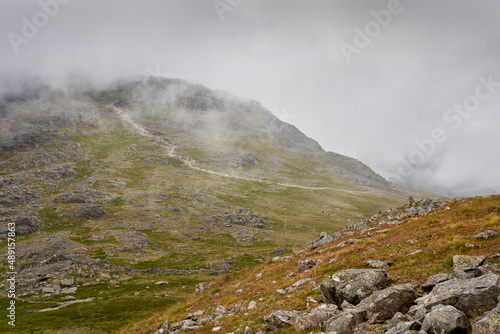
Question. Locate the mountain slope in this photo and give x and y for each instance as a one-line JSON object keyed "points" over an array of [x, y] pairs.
{"points": [[158, 181]]}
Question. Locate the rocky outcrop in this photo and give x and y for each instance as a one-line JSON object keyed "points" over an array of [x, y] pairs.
{"points": [[89, 211], [353, 285], [384, 304], [323, 239], [472, 296]]}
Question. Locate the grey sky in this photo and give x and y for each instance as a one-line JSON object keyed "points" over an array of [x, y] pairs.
{"points": [[287, 55]]}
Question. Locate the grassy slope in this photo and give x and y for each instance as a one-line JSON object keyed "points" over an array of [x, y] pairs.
{"points": [[439, 235], [298, 215]]}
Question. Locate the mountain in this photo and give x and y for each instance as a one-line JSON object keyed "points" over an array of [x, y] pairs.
{"points": [[125, 198]]}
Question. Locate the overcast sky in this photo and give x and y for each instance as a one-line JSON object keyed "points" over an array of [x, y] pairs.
{"points": [[368, 79]]}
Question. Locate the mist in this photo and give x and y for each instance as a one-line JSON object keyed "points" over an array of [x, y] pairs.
{"points": [[410, 88]]}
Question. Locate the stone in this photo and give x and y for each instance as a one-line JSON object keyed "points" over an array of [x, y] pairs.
{"points": [[460, 274], [161, 283], [282, 319], [489, 323], [322, 240], [433, 280], [247, 330], [220, 312], [201, 287], [472, 296], [383, 304], [280, 292], [353, 285], [465, 262], [67, 282], [252, 306], [345, 322], [317, 318], [307, 264], [378, 264], [446, 320], [69, 290], [89, 211], [405, 327], [488, 234]]}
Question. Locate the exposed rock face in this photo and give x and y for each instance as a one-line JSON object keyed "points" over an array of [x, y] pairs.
{"points": [[433, 280], [322, 240], [345, 322], [472, 296], [382, 305], [353, 285], [89, 211], [306, 265], [244, 218], [489, 323], [283, 319], [446, 320]]}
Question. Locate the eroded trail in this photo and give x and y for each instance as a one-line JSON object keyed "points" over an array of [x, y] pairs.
{"points": [[170, 150]]}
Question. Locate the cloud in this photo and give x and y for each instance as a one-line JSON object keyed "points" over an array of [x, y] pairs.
{"points": [[286, 54]]}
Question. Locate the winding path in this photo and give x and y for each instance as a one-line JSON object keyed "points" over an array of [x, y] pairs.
{"points": [[170, 150]]}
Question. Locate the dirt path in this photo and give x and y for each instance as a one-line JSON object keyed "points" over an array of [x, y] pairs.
{"points": [[170, 150]]}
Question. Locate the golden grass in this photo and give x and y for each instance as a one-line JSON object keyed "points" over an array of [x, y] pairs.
{"points": [[438, 236]]}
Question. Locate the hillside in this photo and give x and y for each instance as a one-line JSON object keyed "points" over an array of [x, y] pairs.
{"points": [[453, 242], [125, 199]]}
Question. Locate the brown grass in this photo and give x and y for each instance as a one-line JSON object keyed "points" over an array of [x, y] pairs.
{"points": [[439, 235]]}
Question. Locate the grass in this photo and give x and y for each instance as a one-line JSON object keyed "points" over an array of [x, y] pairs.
{"points": [[437, 243]]}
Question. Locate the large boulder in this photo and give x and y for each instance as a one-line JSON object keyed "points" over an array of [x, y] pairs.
{"points": [[89, 211], [322, 240], [283, 319], [433, 280], [472, 296], [489, 323], [345, 322], [446, 320], [353, 285], [382, 305]]}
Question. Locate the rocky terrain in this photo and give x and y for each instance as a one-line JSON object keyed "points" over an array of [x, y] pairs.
{"points": [[369, 297], [131, 197]]}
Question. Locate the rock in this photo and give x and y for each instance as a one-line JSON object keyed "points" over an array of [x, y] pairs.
{"points": [[69, 298], [383, 304], [405, 327], [353, 285], [69, 290], [317, 318], [247, 330], [460, 274], [433, 280], [488, 234], [301, 282], [306, 265], [378, 264], [472, 296], [280, 292], [446, 320], [89, 211], [282, 319], [51, 289], [161, 283], [67, 282], [486, 269], [465, 262], [201, 287], [252, 306], [220, 312], [322, 240], [489, 323], [345, 322], [27, 223]]}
